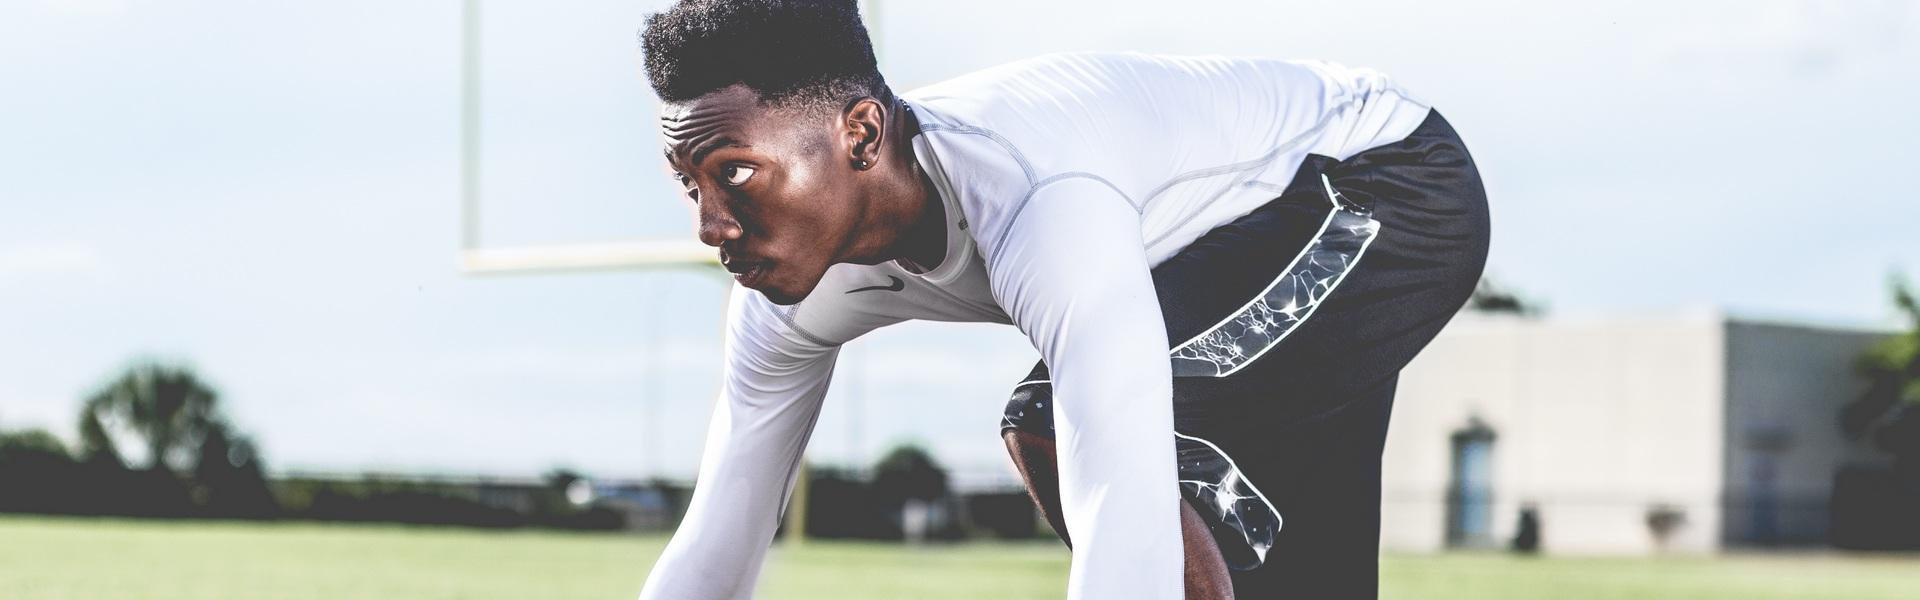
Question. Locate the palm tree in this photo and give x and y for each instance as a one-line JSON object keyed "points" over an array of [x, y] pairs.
{"points": [[167, 407], [1888, 413]]}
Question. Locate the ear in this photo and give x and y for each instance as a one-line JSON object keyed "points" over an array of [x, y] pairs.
{"points": [[864, 132]]}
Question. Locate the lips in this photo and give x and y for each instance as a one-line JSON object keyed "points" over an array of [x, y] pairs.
{"points": [[751, 276], [747, 272]]}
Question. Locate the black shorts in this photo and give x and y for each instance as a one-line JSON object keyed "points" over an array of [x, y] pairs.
{"points": [[1290, 327]]}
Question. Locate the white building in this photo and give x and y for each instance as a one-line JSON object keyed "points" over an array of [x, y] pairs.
{"points": [[1729, 424]]}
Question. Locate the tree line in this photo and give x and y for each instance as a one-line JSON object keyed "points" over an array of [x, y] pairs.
{"points": [[154, 442]]}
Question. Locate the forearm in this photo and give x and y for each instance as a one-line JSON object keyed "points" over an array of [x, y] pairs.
{"points": [[717, 551], [770, 397], [1118, 481]]}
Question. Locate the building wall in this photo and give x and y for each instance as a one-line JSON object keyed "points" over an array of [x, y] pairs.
{"points": [[1597, 421], [1786, 386]]}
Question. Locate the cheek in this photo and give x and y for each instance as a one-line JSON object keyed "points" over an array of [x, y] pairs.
{"points": [[806, 209]]}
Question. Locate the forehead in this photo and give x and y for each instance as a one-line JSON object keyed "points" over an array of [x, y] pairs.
{"points": [[729, 111], [731, 101], [732, 114]]}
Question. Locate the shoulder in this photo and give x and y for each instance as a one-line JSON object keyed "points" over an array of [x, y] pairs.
{"points": [[996, 137], [1046, 78]]}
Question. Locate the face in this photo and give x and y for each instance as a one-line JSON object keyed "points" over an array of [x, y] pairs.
{"points": [[774, 187]]}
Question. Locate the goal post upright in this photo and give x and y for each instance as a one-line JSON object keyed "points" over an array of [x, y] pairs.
{"points": [[476, 258]]}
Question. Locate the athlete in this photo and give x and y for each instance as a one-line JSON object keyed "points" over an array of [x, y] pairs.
{"points": [[1223, 262]]}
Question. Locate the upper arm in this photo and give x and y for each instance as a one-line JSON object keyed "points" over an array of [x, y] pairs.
{"points": [[1073, 275]]}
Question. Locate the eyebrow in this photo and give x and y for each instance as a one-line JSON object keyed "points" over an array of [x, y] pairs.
{"points": [[699, 154]]}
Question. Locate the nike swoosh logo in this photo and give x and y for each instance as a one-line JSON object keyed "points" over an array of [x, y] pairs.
{"points": [[895, 287]]}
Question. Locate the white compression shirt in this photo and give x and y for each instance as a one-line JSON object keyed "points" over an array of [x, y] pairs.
{"points": [[1065, 178]]}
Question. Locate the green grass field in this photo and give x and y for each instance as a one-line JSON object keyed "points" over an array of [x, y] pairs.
{"points": [[72, 559]]}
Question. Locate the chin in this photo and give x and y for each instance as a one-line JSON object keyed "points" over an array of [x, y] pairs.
{"points": [[781, 298], [785, 295]]}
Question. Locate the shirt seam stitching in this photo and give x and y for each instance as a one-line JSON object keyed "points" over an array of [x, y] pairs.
{"points": [[1346, 103], [788, 316], [1018, 209]]}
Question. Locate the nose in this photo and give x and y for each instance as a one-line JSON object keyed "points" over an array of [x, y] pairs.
{"points": [[717, 225]]}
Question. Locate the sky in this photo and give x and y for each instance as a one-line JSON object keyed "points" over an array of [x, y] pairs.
{"points": [[269, 193]]}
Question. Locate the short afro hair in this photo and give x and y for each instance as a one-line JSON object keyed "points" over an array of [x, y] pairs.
{"points": [[810, 54]]}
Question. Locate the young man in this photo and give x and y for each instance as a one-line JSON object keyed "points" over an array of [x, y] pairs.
{"points": [[1224, 264]]}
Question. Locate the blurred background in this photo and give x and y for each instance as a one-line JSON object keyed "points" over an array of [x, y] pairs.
{"points": [[281, 281]]}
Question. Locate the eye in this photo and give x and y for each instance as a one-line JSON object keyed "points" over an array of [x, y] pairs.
{"points": [[738, 175], [686, 184]]}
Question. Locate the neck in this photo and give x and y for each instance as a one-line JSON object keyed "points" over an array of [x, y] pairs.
{"points": [[910, 217], [925, 244]]}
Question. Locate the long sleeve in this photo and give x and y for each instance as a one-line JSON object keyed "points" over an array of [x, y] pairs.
{"points": [[770, 397], [1072, 273]]}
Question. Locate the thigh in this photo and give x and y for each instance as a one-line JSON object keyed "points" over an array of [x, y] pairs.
{"points": [[1323, 477], [1289, 328]]}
